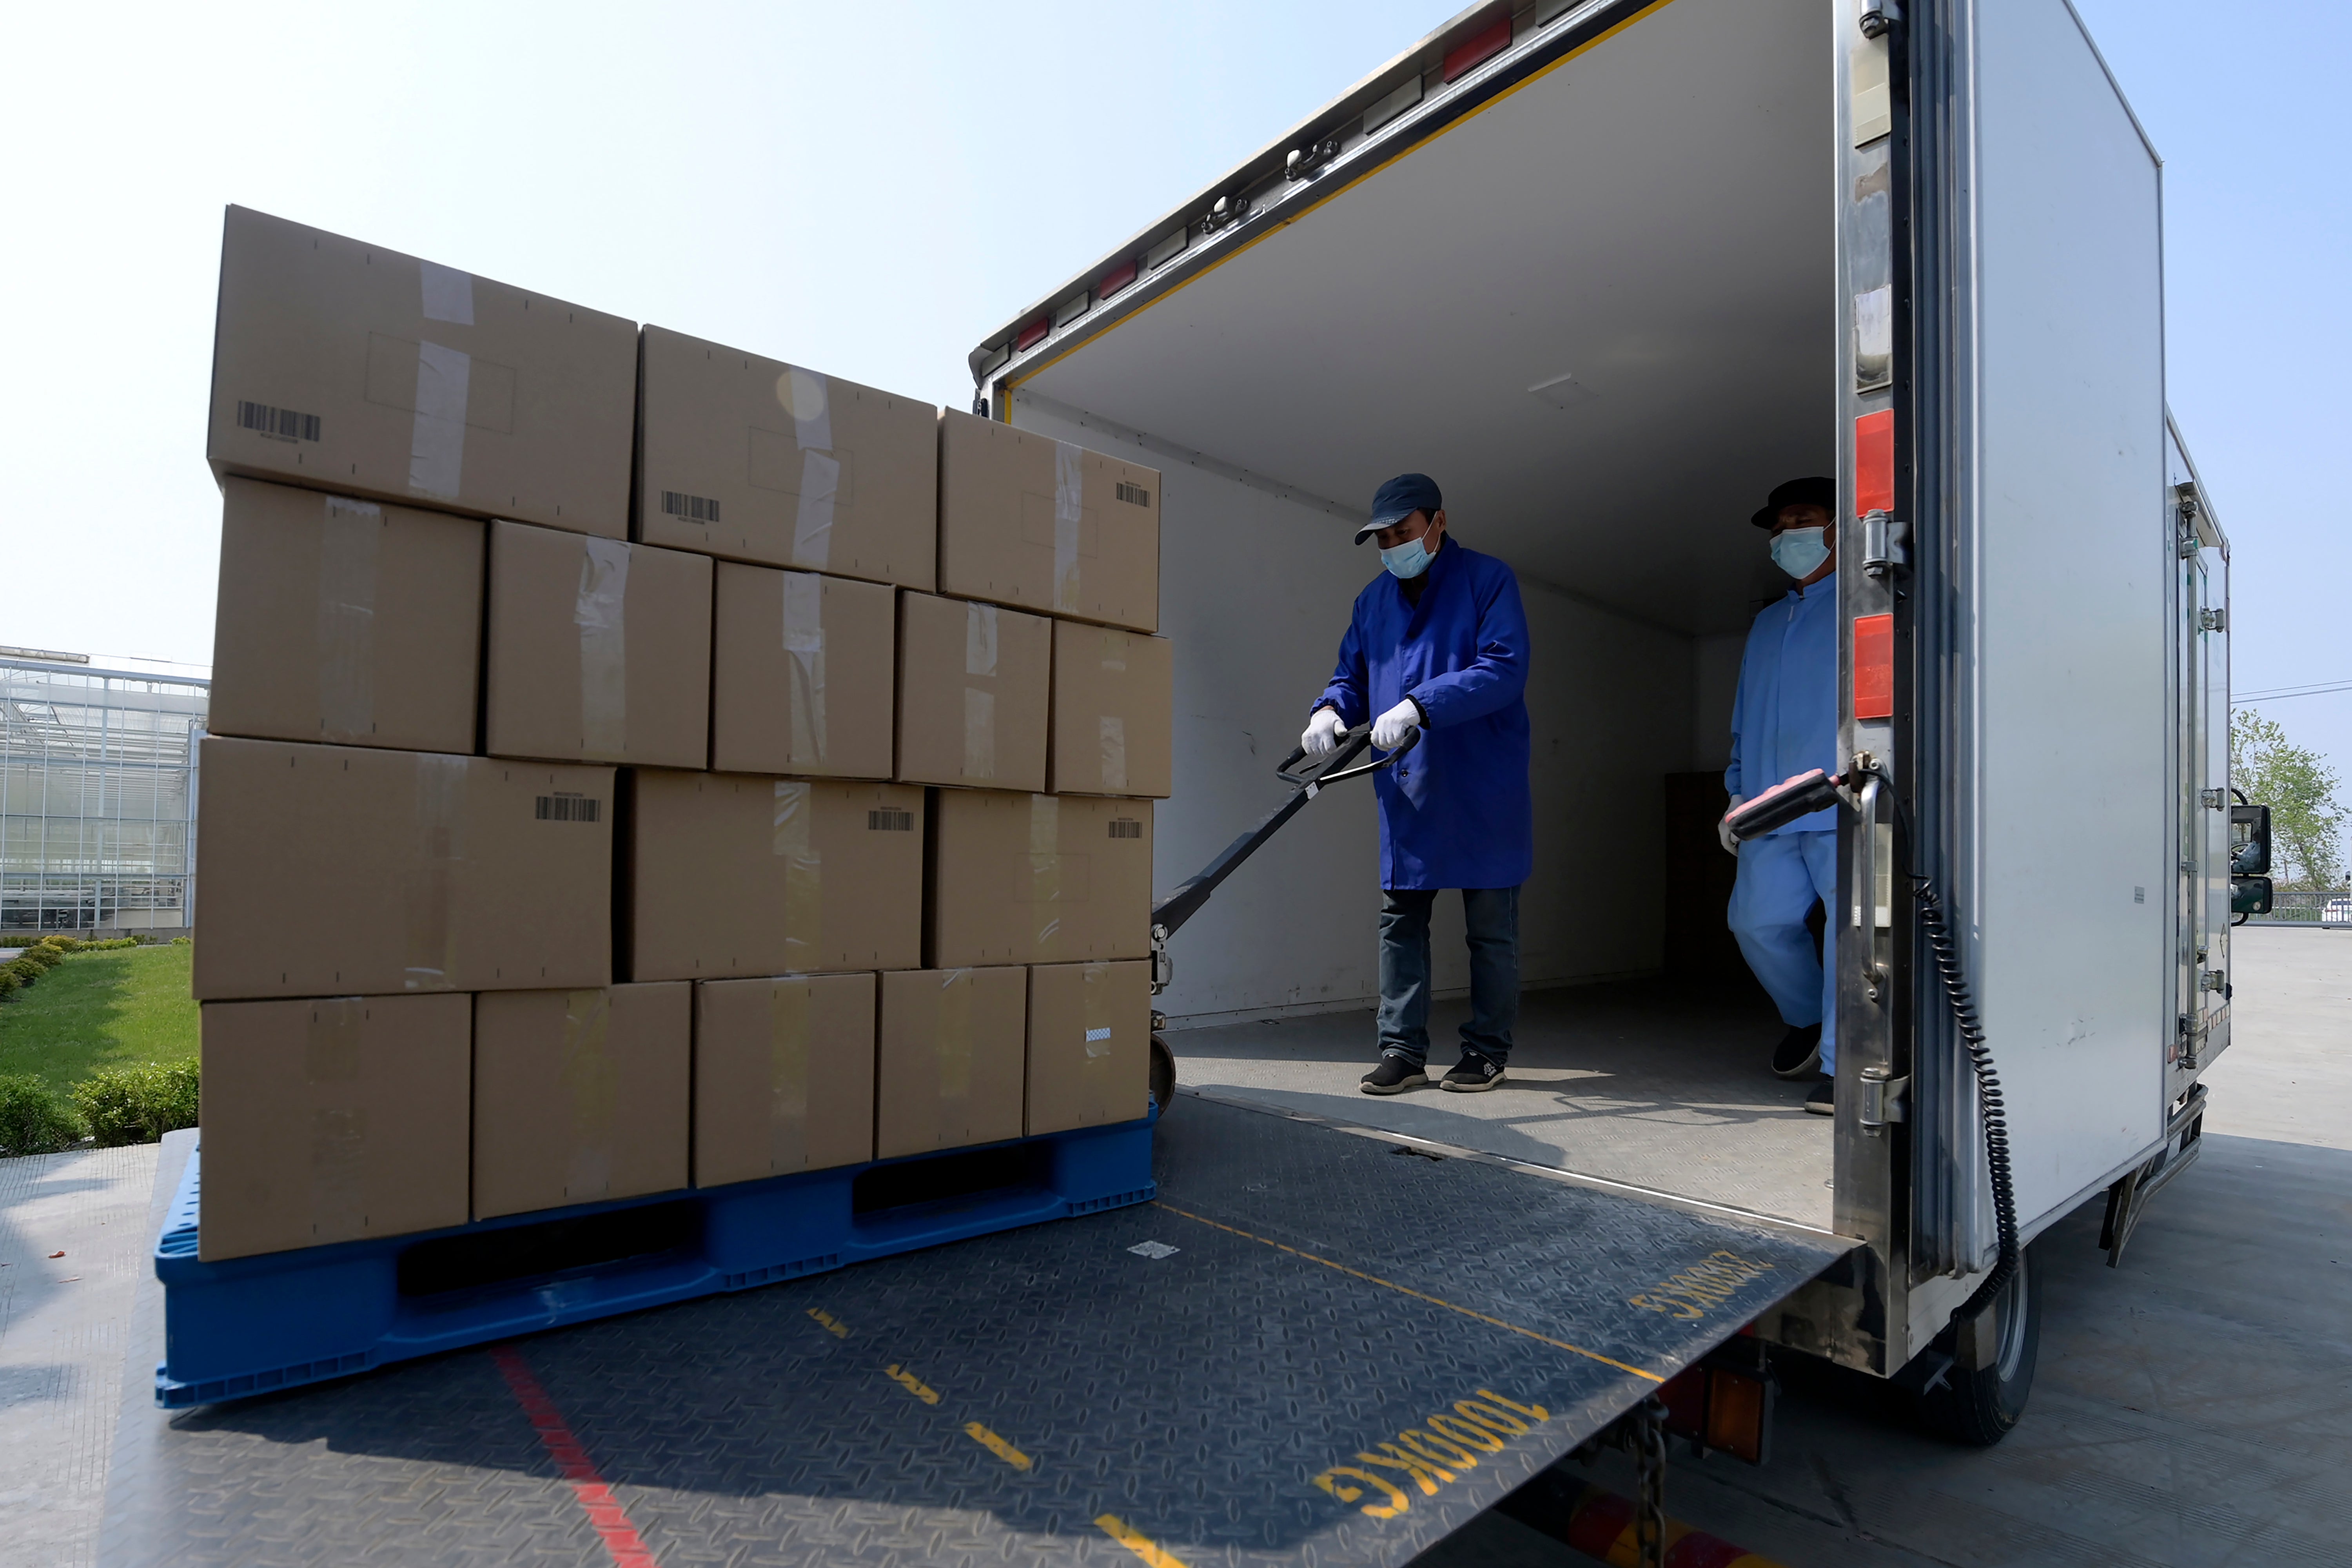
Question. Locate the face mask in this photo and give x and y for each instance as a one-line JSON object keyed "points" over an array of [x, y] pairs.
{"points": [[1799, 552], [1407, 560]]}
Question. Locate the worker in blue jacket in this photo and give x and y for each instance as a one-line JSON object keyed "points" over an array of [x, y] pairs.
{"points": [[1784, 721], [1438, 643]]}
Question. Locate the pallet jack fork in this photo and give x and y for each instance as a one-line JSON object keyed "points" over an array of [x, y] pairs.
{"points": [[1169, 915]]}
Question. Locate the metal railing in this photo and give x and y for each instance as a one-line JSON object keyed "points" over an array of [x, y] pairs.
{"points": [[2323, 905]]}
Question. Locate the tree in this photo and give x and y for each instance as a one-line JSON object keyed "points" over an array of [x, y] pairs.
{"points": [[2306, 820]]}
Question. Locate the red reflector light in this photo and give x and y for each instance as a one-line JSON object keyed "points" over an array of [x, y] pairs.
{"points": [[1032, 335], [1116, 279], [1874, 462], [1485, 47], [1873, 666]]}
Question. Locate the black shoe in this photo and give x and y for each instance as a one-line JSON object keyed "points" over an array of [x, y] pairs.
{"points": [[1393, 1075], [1822, 1101], [1473, 1074], [1799, 1052]]}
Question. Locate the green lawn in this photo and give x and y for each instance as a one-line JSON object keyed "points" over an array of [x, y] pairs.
{"points": [[100, 1009]]}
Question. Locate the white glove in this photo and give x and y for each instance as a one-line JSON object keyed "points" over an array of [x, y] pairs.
{"points": [[1323, 731], [1723, 829], [1391, 727]]}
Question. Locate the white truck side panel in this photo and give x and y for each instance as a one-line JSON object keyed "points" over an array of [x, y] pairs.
{"points": [[2072, 852], [1255, 590]]}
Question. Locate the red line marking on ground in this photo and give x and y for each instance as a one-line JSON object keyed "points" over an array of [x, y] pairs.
{"points": [[604, 1511]]}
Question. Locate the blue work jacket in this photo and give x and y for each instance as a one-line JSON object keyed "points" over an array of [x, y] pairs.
{"points": [[1455, 810], [1784, 721]]}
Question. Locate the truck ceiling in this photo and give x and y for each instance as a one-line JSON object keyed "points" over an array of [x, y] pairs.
{"points": [[1598, 305]]}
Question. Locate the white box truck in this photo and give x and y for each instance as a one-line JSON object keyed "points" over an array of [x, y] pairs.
{"points": [[1610, 270]]}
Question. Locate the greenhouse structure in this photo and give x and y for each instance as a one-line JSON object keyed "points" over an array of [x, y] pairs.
{"points": [[98, 798]]}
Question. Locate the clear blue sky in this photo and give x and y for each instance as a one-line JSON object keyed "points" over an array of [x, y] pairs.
{"points": [[870, 189]]}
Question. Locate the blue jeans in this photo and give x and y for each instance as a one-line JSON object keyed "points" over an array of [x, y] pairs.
{"points": [[1492, 915], [1779, 880]]}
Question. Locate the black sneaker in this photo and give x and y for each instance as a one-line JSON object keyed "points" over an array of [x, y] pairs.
{"points": [[1822, 1101], [1799, 1052], [1394, 1075], [1473, 1074]]}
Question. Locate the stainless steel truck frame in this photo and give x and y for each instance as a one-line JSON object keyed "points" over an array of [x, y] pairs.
{"points": [[1973, 283]]}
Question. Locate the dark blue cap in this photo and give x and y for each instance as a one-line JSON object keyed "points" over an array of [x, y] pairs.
{"points": [[1400, 499]]}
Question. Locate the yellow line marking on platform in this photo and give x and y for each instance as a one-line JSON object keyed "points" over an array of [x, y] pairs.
{"points": [[1416, 1295], [997, 1446], [1135, 1540], [912, 1384]]}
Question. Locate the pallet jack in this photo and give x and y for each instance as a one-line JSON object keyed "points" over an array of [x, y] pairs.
{"points": [[1169, 915]]}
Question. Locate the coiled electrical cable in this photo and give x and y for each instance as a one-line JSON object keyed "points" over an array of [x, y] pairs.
{"points": [[1989, 1100]]}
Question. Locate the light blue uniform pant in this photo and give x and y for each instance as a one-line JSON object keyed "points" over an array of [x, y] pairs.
{"points": [[1780, 878]]}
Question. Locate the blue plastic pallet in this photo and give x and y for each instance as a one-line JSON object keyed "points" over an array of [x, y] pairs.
{"points": [[244, 1326]]}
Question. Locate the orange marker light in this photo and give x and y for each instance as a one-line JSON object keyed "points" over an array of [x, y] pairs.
{"points": [[1873, 666], [1874, 462]]}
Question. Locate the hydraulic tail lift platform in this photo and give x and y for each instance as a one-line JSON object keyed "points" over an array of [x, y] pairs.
{"points": [[1318, 1343]]}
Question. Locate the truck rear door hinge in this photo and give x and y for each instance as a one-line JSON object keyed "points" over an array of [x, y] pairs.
{"points": [[2213, 620], [1883, 1096], [2213, 799]]}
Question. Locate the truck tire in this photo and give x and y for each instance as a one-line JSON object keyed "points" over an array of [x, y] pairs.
{"points": [[1978, 1406], [1163, 1075]]}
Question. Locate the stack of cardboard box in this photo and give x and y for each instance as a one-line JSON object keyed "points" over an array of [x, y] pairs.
{"points": [[571, 838]]}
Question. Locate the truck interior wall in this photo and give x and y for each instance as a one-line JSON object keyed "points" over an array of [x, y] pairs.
{"points": [[1255, 590]]}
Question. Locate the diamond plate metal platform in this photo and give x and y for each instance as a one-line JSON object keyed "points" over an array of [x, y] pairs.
{"points": [[1315, 1347]]}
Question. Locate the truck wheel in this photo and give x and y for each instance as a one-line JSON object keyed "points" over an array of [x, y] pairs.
{"points": [[1163, 1074], [1978, 1405]]}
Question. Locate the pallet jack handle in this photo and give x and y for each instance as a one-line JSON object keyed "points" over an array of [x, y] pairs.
{"points": [[1171, 913]]}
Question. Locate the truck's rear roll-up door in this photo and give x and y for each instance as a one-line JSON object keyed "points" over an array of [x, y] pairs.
{"points": [[2061, 564]]}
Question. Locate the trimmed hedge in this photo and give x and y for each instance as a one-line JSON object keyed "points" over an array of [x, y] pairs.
{"points": [[31, 1120], [137, 1105]]}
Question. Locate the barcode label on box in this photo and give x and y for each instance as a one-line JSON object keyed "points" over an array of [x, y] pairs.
{"points": [[888, 821], [693, 509], [1126, 827], [1134, 495], [563, 808], [284, 424]]}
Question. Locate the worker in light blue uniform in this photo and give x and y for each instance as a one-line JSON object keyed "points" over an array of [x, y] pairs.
{"points": [[1438, 643], [1783, 724]]}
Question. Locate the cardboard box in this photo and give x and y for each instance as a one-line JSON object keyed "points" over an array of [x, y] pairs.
{"points": [[340, 871], [1089, 1044], [732, 874], [347, 367], [599, 650], [783, 1076], [346, 621], [1025, 520], [802, 673], [951, 1059], [334, 1120], [973, 687], [1114, 713], [757, 461], [1036, 878], [579, 1096]]}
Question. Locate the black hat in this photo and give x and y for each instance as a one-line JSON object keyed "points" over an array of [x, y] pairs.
{"points": [[1817, 491], [1400, 499]]}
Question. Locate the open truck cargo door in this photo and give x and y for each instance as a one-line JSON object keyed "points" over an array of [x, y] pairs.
{"points": [[2040, 707]]}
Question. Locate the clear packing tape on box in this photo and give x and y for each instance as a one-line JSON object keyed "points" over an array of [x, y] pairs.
{"points": [[804, 874], [1094, 1068], [1114, 727], [805, 654], [350, 538], [953, 1039], [333, 1070], [592, 1089], [788, 1076], [807, 396], [429, 884], [600, 612], [979, 704], [437, 447]]}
